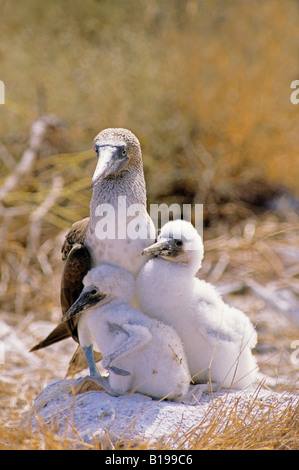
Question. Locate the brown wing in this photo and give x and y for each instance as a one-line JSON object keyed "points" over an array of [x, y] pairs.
{"points": [[75, 268], [75, 235], [77, 263]]}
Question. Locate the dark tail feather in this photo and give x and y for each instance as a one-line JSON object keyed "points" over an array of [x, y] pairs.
{"points": [[58, 334]]}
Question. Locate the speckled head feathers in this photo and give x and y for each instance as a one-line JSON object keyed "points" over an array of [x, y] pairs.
{"points": [[117, 136], [183, 230], [192, 247], [111, 280]]}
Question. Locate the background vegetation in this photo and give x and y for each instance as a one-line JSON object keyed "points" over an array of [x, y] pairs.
{"points": [[205, 85], [214, 72]]}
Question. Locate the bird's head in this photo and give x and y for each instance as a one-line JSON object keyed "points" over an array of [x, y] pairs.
{"points": [[102, 284], [116, 150], [179, 242]]}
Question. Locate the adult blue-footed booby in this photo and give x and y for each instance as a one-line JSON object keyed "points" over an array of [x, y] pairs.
{"points": [[141, 354], [217, 338], [113, 233]]}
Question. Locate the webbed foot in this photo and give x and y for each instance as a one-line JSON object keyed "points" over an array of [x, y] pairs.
{"points": [[95, 383], [86, 384]]}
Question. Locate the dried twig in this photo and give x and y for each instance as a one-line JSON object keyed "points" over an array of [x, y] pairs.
{"points": [[35, 220], [36, 217], [37, 136]]}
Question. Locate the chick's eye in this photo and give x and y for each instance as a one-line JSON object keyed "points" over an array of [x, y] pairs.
{"points": [[179, 243]]}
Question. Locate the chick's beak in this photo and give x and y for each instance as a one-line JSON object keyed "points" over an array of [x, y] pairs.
{"points": [[164, 248], [88, 298]]}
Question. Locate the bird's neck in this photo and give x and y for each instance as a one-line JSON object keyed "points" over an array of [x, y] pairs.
{"points": [[128, 183], [116, 203]]}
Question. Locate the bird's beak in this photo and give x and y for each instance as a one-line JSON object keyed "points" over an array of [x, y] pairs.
{"points": [[86, 299], [164, 248], [111, 160]]}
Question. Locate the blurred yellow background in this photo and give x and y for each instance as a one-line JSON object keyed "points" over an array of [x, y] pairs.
{"points": [[175, 72]]}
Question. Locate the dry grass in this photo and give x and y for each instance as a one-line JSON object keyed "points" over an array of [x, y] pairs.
{"points": [[269, 429], [206, 87], [225, 426]]}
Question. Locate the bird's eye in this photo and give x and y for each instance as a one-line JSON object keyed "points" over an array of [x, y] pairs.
{"points": [[124, 152], [93, 292], [179, 243]]}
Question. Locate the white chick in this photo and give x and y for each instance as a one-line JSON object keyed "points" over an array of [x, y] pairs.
{"points": [[141, 354], [216, 337]]}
